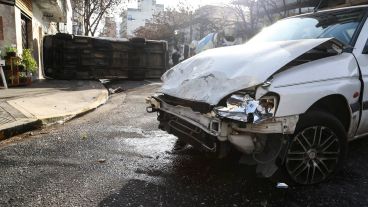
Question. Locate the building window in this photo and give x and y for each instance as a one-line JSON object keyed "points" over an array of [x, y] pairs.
{"points": [[25, 23]]}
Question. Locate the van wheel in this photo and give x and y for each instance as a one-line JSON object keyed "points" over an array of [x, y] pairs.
{"points": [[317, 149]]}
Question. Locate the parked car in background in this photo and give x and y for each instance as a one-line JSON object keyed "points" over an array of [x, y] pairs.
{"points": [[290, 99]]}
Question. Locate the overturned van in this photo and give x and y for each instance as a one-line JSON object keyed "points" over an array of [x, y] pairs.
{"points": [[71, 57], [289, 99]]}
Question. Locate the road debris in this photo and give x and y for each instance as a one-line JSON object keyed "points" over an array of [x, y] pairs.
{"points": [[282, 186], [101, 160], [116, 90], [84, 136], [60, 122]]}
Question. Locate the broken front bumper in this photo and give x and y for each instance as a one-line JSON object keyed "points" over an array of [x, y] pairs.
{"points": [[205, 122], [243, 135]]}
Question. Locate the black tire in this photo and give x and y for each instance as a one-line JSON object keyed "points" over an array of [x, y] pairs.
{"points": [[312, 159]]}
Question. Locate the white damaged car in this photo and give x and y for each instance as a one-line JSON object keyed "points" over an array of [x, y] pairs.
{"points": [[290, 99]]}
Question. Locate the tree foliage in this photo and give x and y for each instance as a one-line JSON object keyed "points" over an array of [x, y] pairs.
{"points": [[214, 19], [246, 16], [172, 24], [248, 13], [165, 25], [93, 11], [254, 13]]}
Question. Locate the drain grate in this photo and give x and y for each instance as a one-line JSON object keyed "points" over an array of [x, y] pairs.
{"points": [[5, 117]]}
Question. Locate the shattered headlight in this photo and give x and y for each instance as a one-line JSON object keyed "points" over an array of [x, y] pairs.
{"points": [[245, 109]]}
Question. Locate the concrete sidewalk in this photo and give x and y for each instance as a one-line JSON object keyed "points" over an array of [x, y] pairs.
{"points": [[47, 102]]}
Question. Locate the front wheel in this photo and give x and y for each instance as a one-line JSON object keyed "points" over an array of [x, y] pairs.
{"points": [[317, 148]]}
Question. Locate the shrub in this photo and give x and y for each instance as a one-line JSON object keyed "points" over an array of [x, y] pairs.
{"points": [[28, 61]]}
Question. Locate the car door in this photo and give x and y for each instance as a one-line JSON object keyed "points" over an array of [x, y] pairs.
{"points": [[361, 53]]}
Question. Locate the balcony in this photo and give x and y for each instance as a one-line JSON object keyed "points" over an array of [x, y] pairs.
{"points": [[54, 10]]}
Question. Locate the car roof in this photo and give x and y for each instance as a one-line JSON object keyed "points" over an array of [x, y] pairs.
{"points": [[332, 10]]}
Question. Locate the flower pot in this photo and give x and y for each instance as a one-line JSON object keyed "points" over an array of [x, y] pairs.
{"points": [[25, 81]]}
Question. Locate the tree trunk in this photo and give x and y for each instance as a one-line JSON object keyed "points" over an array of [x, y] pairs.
{"points": [[86, 8], [86, 29]]}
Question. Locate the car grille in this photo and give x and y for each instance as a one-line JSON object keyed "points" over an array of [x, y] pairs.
{"points": [[188, 132], [195, 106]]}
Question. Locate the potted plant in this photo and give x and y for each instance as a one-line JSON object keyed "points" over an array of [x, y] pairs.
{"points": [[28, 61], [19, 65], [23, 79], [11, 51]]}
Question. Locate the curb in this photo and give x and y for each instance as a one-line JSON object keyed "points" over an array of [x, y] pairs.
{"points": [[25, 125], [19, 127], [100, 100]]}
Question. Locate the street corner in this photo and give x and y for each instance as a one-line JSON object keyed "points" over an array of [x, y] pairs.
{"points": [[48, 102]]}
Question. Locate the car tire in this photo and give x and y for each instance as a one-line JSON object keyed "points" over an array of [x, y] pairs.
{"points": [[317, 149]]}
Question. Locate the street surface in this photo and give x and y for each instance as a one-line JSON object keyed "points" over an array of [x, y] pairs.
{"points": [[116, 156]]}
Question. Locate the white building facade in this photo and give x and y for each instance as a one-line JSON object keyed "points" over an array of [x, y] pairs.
{"points": [[24, 23], [134, 18]]}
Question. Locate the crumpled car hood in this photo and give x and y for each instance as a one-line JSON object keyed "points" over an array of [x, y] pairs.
{"points": [[212, 75]]}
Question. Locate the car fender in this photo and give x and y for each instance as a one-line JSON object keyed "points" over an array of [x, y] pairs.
{"points": [[300, 88]]}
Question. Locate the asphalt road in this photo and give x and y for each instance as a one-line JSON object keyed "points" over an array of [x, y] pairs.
{"points": [[116, 156]]}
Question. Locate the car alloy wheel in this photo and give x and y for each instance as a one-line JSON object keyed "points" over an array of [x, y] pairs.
{"points": [[313, 155]]}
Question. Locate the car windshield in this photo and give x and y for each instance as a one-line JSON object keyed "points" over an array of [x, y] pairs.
{"points": [[341, 25]]}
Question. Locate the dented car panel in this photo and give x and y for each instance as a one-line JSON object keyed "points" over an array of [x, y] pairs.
{"points": [[236, 67], [207, 122], [335, 75], [203, 121], [246, 137], [262, 97]]}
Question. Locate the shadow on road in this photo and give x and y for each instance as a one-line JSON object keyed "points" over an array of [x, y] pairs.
{"points": [[194, 180]]}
